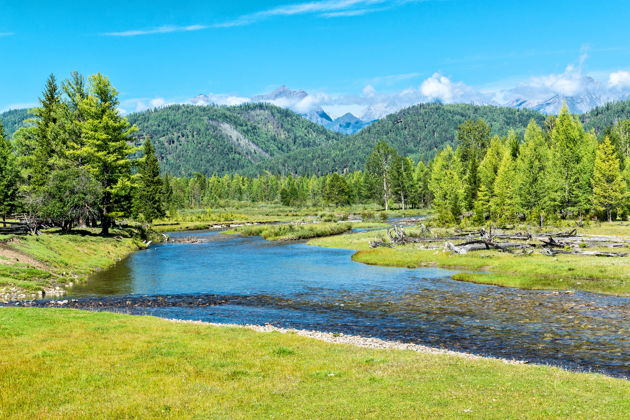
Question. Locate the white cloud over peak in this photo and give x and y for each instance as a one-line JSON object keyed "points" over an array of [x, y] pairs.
{"points": [[619, 79], [544, 93]]}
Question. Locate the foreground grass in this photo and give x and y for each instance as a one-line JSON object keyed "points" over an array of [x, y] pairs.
{"points": [[292, 232], [35, 263], [562, 272], [73, 364]]}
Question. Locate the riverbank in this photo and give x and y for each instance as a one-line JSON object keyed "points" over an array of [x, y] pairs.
{"points": [[65, 363], [47, 264], [608, 275]]}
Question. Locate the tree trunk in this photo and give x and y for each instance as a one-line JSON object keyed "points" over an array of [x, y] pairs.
{"points": [[105, 225]]}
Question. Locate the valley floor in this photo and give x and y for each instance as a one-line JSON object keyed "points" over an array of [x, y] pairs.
{"points": [[609, 275], [60, 363]]}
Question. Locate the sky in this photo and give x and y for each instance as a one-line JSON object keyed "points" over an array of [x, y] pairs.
{"points": [[345, 53]]}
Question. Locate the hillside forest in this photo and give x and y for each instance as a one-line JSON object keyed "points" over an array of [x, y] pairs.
{"points": [[78, 161]]}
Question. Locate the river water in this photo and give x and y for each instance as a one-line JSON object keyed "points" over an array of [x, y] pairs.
{"points": [[230, 279]]}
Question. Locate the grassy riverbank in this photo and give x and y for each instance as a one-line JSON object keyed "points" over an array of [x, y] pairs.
{"points": [[535, 271], [50, 262], [292, 232], [65, 363], [246, 213]]}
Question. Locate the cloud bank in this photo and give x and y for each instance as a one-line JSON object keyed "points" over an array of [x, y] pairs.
{"points": [[544, 93]]}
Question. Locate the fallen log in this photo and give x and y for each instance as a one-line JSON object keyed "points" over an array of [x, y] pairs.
{"points": [[552, 252]]}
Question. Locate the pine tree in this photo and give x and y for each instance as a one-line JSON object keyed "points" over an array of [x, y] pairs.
{"points": [[488, 169], [421, 195], [503, 201], [337, 191], [149, 200], [530, 170], [563, 172], [105, 148], [46, 135], [609, 189], [9, 176], [401, 178], [446, 186]]}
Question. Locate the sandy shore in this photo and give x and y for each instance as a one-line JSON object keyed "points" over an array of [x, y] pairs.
{"points": [[355, 340]]}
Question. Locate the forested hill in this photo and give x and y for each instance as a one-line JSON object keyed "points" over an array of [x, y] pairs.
{"points": [[12, 120], [418, 131], [606, 116], [215, 139], [250, 139]]}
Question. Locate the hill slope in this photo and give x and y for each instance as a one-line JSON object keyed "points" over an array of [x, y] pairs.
{"points": [[213, 139], [418, 131], [12, 120], [604, 116]]}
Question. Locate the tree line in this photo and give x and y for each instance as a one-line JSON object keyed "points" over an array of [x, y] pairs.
{"points": [[73, 162]]}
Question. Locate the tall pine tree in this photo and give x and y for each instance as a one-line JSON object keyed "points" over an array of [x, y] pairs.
{"points": [[149, 199], [609, 187]]}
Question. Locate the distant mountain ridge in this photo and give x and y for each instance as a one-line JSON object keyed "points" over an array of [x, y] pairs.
{"points": [[253, 138]]}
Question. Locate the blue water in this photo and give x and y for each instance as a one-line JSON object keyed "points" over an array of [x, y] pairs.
{"points": [[301, 286]]}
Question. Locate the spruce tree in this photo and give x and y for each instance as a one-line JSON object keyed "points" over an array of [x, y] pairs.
{"points": [[609, 188], [9, 176], [149, 198]]}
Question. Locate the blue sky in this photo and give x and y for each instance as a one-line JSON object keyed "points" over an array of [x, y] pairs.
{"points": [[171, 51]]}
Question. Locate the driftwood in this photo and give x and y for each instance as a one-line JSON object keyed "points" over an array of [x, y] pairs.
{"points": [[464, 241]]}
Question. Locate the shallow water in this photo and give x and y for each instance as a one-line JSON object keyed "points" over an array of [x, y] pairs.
{"points": [[247, 280]]}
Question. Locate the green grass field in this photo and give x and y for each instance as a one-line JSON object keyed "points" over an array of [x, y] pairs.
{"points": [[59, 364], [35, 263], [536, 271]]}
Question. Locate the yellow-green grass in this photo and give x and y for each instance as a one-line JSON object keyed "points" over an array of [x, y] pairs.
{"points": [[59, 363], [535, 271], [244, 212], [54, 260], [291, 232]]}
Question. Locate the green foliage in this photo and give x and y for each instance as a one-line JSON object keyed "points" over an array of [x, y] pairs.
{"points": [[70, 195], [217, 140], [447, 187], [609, 187], [380, 167], [150, 195], [9, 176], [337, 190], [419, 132]]}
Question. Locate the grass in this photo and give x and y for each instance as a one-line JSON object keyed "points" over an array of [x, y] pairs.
{"points": [[54, 260], [59, 363], [562, 272], [234, 212], [291, 232]]}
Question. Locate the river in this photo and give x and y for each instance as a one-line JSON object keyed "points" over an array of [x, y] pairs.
{"points": [[231, 279]]}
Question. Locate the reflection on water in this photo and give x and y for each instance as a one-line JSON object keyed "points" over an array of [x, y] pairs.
{"points": [[296, 285]]}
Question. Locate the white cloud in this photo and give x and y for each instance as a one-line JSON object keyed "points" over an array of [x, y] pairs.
{"points": [[619, 79], [159, 30], [438, 87], [325, 9]]}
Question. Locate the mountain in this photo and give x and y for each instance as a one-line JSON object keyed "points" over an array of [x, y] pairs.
{"points": [[419, 131], [347, 124], [220, 139], [12, 120]]}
